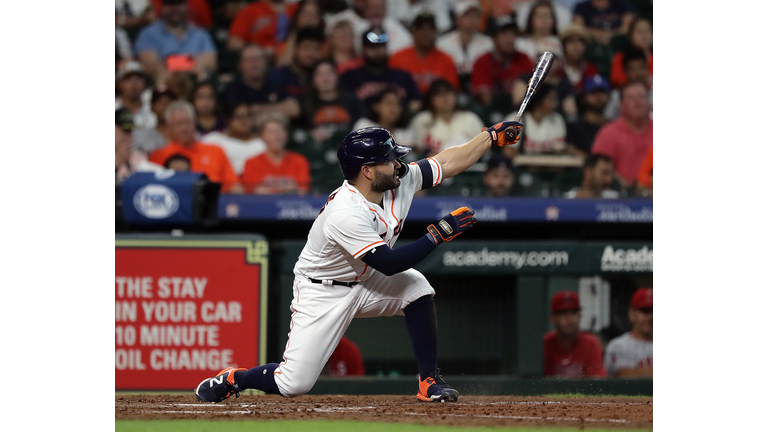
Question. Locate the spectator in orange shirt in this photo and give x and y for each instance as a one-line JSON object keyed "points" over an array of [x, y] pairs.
{"points": [[423, 61], [207, 159], [263, 23], [277, 170]]}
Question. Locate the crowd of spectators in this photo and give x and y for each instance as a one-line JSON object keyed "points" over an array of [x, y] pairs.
{"points": [[258, 94]]}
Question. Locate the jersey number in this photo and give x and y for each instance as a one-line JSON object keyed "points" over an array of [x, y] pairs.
{"points": [[330, 198]]}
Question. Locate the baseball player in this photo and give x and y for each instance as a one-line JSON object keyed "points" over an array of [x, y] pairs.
{"points": [[631, 354], [349, 269]]}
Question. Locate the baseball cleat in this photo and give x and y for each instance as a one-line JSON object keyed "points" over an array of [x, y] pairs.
{"points": [[220, 387], [435, 389]]}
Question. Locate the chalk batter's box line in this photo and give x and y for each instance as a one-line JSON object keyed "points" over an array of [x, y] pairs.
{"points": [[256, 253], [357, 409]]}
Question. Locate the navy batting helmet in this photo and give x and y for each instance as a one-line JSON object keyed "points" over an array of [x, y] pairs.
{"points": [[366, 146]]}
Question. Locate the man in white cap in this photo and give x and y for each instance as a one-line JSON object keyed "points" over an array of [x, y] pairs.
{"points": [[465, 44]]}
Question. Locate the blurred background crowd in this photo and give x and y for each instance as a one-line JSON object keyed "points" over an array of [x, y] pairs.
{"points": [[258, 94]]}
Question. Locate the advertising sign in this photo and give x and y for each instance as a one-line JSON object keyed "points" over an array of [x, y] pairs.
{"points": [[186, 308]]}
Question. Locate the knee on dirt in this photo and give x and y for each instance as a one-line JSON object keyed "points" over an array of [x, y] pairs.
{"points": [[296, 389]]}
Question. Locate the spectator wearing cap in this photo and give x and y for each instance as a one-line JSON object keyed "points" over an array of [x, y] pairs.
{"points": [[626, 140], [631, 354], [597, 179], [569, 352], [442, 123], [423, 60], [294, 80], [250, 86], [151, 139], [465, 44], [603, 19], [540, 33], [128, 160], [494, 74], [499, 179], [374, 76], [133, 94], [636, 70], [563, 15], [172, 43], [592, 101], [366, 14], [205, 158], [264, 23], [576, 68]]}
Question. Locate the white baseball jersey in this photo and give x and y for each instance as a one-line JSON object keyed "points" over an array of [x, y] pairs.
{"points": [[626, 352], [349, 226]]}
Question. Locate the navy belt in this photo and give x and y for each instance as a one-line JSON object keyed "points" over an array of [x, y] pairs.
{"points": [[346, 284]]}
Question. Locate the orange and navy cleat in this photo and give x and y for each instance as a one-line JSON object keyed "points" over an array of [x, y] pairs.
{"points": [[435, 389], [218, 388]]}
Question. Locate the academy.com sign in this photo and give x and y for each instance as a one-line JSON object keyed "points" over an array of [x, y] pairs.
{"points": [[518, 260], [627, 260]]}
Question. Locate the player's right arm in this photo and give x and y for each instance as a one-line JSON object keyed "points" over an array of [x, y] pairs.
{"points": [[390, 262], [455, 160]]}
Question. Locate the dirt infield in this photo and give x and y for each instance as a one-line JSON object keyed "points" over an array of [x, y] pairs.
{"points": [[493, 411]]}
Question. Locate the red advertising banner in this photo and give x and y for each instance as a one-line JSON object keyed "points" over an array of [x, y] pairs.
{"points": [[187, 308]]}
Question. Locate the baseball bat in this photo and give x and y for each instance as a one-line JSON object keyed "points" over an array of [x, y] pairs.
{"points": [[539, 73]]}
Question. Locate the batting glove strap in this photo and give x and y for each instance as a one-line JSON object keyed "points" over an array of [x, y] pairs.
{"points": [[500, 138], [452, 225]]}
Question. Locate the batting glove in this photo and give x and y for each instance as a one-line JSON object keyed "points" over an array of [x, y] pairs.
{"points": [[452, 225], [505, 133]]}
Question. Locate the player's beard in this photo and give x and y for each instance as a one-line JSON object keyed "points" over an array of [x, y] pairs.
{"points": [[384, 182]]}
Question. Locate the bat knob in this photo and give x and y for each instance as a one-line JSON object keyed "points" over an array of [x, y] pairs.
{"points": [[511, 133]]}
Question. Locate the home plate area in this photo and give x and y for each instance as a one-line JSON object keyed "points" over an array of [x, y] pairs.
{"points": [[491, 411]]}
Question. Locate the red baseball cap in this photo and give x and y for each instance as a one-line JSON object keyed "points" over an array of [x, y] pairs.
{"points": [[565, 300], [643, 298]]}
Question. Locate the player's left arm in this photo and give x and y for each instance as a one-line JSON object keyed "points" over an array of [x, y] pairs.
{"points": [[454, 160]]}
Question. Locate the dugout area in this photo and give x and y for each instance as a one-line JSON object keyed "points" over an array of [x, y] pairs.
{"points": [[492, 300]]}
